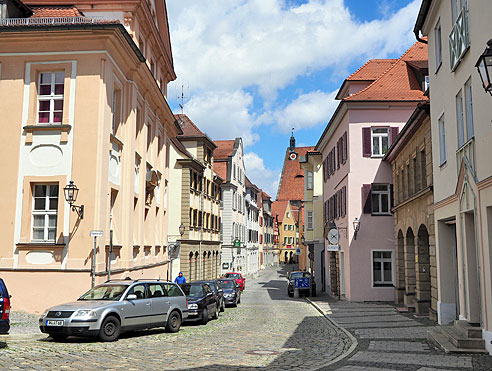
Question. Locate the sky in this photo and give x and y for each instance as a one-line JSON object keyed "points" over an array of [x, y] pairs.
{"points": [[258, 68]]}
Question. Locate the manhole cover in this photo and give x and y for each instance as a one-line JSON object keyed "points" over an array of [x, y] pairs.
{"points": [[262, 352]]}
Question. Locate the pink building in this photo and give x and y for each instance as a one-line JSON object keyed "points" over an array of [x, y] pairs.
{"points": [[375, 102]]}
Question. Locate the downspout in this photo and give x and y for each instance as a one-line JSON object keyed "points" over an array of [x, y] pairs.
{"points": [[424, 9]]}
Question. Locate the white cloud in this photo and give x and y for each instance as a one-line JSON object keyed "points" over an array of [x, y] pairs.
{"points": [[265, 178]]}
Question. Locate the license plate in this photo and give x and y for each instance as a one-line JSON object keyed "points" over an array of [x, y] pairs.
{"points": [[54, 323], [193, 313]]}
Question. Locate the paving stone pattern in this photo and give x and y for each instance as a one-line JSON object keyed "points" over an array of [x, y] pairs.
{"points": [[392, 341], [265, 320]]}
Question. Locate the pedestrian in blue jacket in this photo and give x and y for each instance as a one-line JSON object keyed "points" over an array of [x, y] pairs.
{"points": [[180, 279]]}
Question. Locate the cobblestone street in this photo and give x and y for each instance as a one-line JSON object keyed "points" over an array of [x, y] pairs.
{"points": [[267, 330]]}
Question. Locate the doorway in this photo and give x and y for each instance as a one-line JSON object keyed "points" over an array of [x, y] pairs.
{"points": [[323, 283]]}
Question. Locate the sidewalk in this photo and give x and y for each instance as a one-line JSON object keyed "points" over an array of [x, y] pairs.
{"points": [[388, 340]]}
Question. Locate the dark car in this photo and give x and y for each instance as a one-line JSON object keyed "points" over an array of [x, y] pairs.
{"points": [[241, 281], [4, 308], [202, 302], [217, 289], [232, 293], [303, 290]]}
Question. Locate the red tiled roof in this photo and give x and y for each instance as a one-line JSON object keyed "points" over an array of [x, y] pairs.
{"points": [[398, 83], [224, 149], [221, 169], [291, 185], [55, 11], [278, 209], [372, 69], [265, 196], [188, 127]]}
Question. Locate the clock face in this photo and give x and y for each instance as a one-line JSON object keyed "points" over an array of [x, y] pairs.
{"points": [[292, 156], [333, 236]]}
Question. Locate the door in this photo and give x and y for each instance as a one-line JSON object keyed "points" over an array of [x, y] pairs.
{"points": [[160, 304], [210, 300], [323, 282], [138, 311]]}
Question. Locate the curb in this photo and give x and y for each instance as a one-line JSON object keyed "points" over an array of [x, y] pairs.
{"points": [[349, 335]]}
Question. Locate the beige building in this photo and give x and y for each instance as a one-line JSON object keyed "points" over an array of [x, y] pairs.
{"points": [[288, 230], [457, 32], [195, 191], [410, 157], [85, 99]]}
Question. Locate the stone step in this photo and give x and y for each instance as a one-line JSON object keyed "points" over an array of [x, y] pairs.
{"points": [[441, 341], [459, 340], [468, 330]]}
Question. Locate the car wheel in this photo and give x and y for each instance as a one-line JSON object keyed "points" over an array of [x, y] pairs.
{"points": [[58, 337], [204, 316], [173, 322], [217, 312], [110, 329]]}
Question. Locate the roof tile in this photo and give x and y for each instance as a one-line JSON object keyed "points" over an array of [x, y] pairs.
{"points": [[224, 149], [55, 11], [291, 186]]}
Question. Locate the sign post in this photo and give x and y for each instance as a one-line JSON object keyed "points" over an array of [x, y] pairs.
{"points": [[110, 253], [94, 234]]}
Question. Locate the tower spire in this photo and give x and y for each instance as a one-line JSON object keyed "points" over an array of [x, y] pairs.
{"points": [[292, 142]]}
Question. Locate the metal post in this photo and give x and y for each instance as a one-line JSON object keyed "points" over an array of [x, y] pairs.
{"points": [[94, 263], [110, 253]]}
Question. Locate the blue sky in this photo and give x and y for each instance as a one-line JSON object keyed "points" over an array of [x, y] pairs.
{"points": [[257, 68]]}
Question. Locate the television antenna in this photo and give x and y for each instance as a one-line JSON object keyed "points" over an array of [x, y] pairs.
{"points": [[182, 98]]}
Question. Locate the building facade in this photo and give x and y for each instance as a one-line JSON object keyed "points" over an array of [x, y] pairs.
{"points": [[375, 102], [461, 137], [269, 255], [410, 158], [253, 207], [93, 112]]}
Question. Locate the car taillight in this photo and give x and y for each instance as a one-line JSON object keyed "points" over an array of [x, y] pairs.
{"points": [[6, 308], [186, 302]]}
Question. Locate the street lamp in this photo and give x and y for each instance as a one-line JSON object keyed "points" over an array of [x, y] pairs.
{"points": [[303, 240], [356, 227], [71, 192], [182, 229], [484, 67]]}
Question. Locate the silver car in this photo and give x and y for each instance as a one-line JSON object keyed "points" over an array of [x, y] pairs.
{"points": [[117, 306]]}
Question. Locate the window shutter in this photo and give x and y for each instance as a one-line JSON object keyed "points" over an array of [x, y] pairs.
{"points": [[344, 201], [366, 142], [392, 197], [366, 199], [394, 133], [344, 150], [338, 153], [324, 169]]}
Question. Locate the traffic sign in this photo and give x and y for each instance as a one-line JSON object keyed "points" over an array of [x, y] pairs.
{"points": [[301, 283], [332, 247], [298, 251], [96, 233]]}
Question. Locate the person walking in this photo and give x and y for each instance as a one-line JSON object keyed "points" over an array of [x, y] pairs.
{"points": [[180, 279]]}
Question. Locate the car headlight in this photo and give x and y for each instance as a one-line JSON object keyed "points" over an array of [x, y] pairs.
{"points": [[192, 306], [85, 313]]}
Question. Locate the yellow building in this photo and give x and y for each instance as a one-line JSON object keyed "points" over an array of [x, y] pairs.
{"points": [[287, 229], [84, 97]]}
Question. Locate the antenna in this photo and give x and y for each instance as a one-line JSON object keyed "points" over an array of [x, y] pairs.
{"points": [[182, 97]]}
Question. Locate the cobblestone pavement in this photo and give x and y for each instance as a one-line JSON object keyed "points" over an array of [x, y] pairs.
{"points": [[388, 340], [267, 330]]}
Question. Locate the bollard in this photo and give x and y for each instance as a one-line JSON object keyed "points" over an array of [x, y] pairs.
{"points": [[296, 293]]}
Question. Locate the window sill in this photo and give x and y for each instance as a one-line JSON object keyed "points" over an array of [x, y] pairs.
{"points": [[116, 141], [383, 285], [438, 67], [443, 165], [381, 214], [64, 129], [40, 244]]}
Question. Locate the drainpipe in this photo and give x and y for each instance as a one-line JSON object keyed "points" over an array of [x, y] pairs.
{"points": [[424, 9]]}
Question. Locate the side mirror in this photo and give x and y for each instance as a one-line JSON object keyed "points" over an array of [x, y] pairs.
{"points": [[209, 294], [131, 297]]}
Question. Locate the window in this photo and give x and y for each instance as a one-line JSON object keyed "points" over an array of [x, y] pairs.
{"points": [[423, 169], [116, 109], [438, 45], [285, 227], [309, 220], [382, 268], [442, 141], [44, 212], [459, 39], [459, 119], [380, 199], [380, 141], [50, 97], [288, 214], [470, 131], [285, 240], [309, 180]]}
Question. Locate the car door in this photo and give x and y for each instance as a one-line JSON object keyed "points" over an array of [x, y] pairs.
{"points": [[176, 297], [210, 299], [137, 312], [160, 304]]}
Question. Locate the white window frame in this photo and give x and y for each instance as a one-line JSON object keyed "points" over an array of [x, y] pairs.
{"points": [[47, 212], [460, 122], [380, 204], [382, 261], [309, 220], [309, 179], [438, 44], [52, 97], [442, 140], [380, 137], [470, 130]]}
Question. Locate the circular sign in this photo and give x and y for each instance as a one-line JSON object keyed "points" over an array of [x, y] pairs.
{"points": [[333, 236], [292, 156]]}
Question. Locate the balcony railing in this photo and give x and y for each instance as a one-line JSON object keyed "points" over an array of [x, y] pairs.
{"points": [[51, 21], [459, 39]]}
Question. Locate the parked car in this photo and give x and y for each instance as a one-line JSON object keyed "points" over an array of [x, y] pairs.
{"points": [[302, 291], [219, 293], [241, 281], [202, 302], [116, 306], [232, 293], [4, 309]]}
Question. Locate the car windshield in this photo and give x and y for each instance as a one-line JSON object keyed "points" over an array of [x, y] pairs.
{"points": [[192, 290], [227, 284], [294, 275], [212, 286], [105, 292], [233, 275]]}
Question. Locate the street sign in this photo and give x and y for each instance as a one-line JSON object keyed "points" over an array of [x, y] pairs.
{"points": [[225, 265], [298, 251], [301, 283], [332, 247], [96, 233], [237, 242]]}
